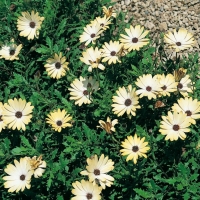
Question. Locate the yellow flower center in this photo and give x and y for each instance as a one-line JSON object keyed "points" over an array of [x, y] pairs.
{"points": [[89, 196], [18, 114], [32, 24], [96, 172], [134, 40]]}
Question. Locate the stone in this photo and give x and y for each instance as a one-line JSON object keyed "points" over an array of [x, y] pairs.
{"points": [[163, 26], [127, 2], [149, 25]]}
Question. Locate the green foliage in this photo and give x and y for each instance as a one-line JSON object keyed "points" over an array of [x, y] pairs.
{"points": [[171, 170]]}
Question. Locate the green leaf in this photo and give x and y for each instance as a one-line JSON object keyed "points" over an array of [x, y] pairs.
{"points": [[143, 193]]}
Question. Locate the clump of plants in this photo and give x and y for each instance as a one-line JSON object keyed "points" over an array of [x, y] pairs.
{"points": [[90, 109]]}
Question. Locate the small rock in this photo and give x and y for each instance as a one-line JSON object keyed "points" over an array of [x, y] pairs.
{"points": [[127, 2], [149, 25], [163, 26]]}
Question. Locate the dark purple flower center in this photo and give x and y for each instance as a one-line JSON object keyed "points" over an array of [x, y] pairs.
{"points": [[134, 40], [1, 118], [85, 92], [58, 65], [164, 87], [176, 127], [18, 114], [135, 148], [59, 123], [188, 112], [180, 86], [32, 24], [128, 102], [89, 196], [97, 172], [148, 88], [178, 44], [92, 35], [22, 177], [12, 52], [113, 53]]}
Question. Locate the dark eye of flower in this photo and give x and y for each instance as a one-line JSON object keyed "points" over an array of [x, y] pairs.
{"points": [[135, 148], [188, 112], [22, 177], [113, 53], [180, 86], [32, 24], [89, 196], [176, 127], [164, 87], [148, 88], [178, 44], [1, 118], [92, 35], [97, 172], [89, 85], [58, 65], [134, 40], [18, 114], [85, 92], [59, 123], [102, 24], [12, 52], [128, 102]]}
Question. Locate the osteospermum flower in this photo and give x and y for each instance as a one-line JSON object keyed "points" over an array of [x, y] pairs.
{"points": [[92, 58], [110, 52], [135, 39], [56, 67], [82, 89], [134, 147], [10, 51], [168, 84], [29, 24], [149, 85], [175, 125], [126, 101], [17, 113], [37, 165], [185, 86], [91, 33], [103, 21], [97, 170], [179, 40], [19, 175], [108, 126], [109, 11], [2, 123], [85, 190], [59, 119], [189, 106]]}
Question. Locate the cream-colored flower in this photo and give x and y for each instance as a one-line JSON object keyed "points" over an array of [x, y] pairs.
{"points": [[189, 106], [179, 40], [175, 125], [110, 52], [56, 67], [185, 86], [168, 84], [108, 126], [135, 39], [134, 147], [59, 119], [97, 170], [92, 57], [91, 33], [85, 190], [17, 113], [37, 165], [82, 89], [109, 11], [149, 85], [10, 51], [19, 175], [103, 21], [29, 24], [2, 123], [126, 101]]}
